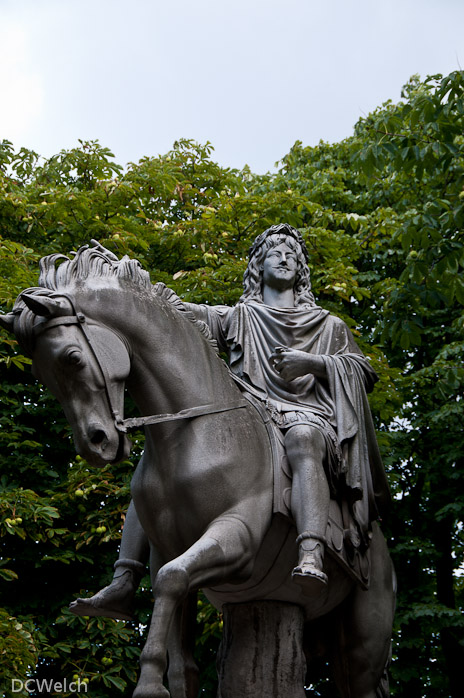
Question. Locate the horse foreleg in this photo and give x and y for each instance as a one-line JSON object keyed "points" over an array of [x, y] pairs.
{"points": [[225, 549], [183, 674]]}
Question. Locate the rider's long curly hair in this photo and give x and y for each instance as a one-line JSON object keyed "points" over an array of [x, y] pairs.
{"points": [[253, 277]]}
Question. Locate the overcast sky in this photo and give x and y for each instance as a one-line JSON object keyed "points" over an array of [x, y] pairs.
{"points": [[251, 76]]}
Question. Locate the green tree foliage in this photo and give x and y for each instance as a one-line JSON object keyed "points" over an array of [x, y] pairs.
{"points": [[382, 214], [190, 222], [414, 152]]}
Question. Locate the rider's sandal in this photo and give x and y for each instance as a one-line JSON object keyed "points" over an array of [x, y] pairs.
{"points": [[308, 573]]}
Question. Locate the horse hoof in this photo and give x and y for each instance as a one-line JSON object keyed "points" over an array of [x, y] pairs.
{"points": [[114, 601], [83, 607], [151, 691]]}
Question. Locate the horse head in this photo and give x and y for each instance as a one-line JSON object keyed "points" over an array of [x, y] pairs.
{"points": [[83, 363]]}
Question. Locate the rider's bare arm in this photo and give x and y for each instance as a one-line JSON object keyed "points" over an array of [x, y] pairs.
{"points": [[213, 316]]}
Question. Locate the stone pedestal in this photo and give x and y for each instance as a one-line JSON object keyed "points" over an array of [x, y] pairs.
{"points": [[261, 652]]}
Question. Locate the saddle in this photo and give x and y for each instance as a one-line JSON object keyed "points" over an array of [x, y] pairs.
{"points": [[343, 540]]}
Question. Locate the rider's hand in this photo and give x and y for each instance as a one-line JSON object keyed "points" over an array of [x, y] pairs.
{"points": [[292, 363]]}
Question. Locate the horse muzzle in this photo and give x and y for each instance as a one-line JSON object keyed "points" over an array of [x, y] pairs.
{"points": [[103, 445]]}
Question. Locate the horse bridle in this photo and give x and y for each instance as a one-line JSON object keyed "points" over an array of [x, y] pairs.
{"points": [[123, 425]]}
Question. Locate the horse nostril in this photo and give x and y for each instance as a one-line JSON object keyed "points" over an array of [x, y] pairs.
{"points": [[97, 436]]}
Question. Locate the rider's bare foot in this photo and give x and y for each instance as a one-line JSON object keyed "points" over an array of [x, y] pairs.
{"points": [[114, 601]]}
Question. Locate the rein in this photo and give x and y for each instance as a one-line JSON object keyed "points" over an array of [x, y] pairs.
{"points": [[189, 413], [123, 425]]}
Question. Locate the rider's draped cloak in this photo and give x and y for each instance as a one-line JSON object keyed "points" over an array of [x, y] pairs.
{"points": [[249, 333]]}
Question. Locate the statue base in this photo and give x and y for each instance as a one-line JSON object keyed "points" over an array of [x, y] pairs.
{"points": [[261, 653]]}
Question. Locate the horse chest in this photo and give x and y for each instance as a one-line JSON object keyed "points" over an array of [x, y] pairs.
{"points": [[192, 473]]}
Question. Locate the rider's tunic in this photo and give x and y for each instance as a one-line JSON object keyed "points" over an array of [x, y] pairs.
{"points": [[337, 405]]}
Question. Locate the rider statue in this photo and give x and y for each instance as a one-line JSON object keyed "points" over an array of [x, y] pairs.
{"points": [[305, 366]]}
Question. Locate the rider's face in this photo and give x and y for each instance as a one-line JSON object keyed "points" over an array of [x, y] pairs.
{"points": [[280, 267]]}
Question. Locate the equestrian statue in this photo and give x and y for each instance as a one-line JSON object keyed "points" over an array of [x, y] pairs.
{"points": [[261, 478]]}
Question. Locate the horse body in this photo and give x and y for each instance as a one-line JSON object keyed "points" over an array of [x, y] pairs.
{"points": [[203, 489], [199, 466], [172, 499]]}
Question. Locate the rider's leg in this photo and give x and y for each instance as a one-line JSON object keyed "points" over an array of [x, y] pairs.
{"points": [[306, 450], [116, 600]]}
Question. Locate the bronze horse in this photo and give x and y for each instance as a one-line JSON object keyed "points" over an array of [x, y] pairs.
{"points": [[203, 489]]}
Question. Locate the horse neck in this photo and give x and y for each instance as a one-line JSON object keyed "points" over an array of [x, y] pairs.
{"points": [[173, 365]]}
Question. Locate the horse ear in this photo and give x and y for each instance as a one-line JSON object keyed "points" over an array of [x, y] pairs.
{"points": [[7, 321], [46, 306]]}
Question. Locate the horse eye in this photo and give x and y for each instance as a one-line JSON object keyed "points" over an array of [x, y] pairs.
{"points": [[74, 357]]}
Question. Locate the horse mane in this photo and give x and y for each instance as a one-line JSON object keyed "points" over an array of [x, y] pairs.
{"points": [[59, 273], [90, 262]]}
